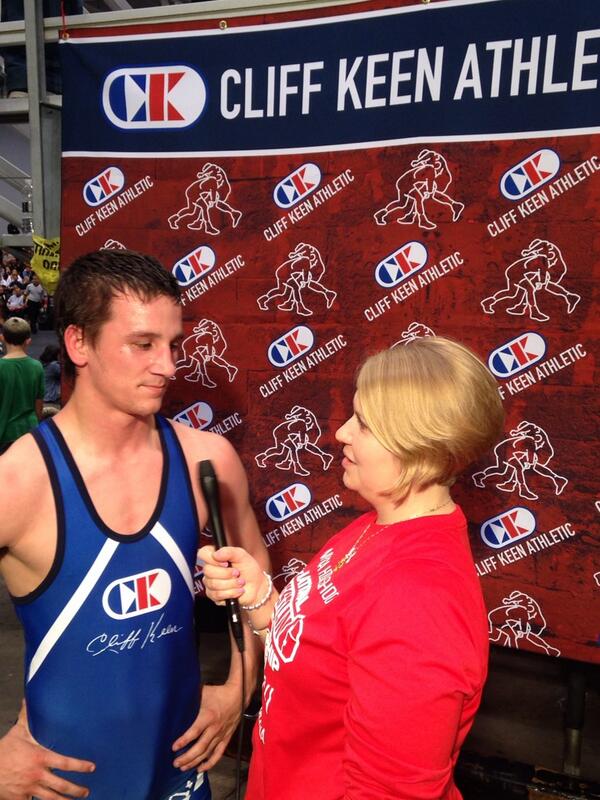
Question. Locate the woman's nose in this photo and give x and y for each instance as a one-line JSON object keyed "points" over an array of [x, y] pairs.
{"points": [[342, 433]]}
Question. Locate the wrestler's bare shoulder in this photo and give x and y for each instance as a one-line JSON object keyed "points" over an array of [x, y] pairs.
{"points": [[25, 489], [199, 445]]}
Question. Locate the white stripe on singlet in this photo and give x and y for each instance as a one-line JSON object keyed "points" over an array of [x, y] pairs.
{"points": [[78, 598], [164, 538]]}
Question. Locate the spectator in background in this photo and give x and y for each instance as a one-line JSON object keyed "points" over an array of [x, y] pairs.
{"points": [[51, 365], [35, 297], [21, 384], [16, 302], [14, 57], [14, 279]]}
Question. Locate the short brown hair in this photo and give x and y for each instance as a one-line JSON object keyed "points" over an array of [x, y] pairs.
{"points": [[85, 290], [433, 404], [16, 330]]}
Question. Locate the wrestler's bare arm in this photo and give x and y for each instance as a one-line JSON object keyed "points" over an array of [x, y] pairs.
{"points": [[28, 532], [27, 544]]}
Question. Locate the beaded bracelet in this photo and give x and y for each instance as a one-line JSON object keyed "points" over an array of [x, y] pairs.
{"points": [[266, 598]]}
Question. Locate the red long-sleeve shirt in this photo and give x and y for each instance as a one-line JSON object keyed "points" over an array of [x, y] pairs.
{"points": [[373, 672]]}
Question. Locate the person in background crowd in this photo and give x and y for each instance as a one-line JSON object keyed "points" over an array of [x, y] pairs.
{"points": [[51, 365], [14, 279], [376, 653], [21, 384], [16, 301], [102, 573], [35, 297]]}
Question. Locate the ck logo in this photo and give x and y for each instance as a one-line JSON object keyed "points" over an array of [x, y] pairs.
{"points": [[516, 355], [288, 502], [137, 594], [290, 346], [198, 416], [529, 174], [195, 265], [508, 527], [297, 185], [153, 97], [398, 266], [104, 186]]}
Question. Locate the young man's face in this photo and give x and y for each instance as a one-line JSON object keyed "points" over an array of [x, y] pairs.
{"points": [[133, 358]]}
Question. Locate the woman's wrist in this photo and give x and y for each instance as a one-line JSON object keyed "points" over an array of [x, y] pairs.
{"points": [[264, 597], [259, 619]]}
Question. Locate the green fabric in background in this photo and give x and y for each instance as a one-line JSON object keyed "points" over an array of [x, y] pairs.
{"points": [[21, 384]]}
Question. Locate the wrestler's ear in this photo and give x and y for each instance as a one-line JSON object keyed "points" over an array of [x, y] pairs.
{"points": [[76, 345]]}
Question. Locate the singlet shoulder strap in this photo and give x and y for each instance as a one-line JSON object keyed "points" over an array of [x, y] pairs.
{"points": [[179, 473]]}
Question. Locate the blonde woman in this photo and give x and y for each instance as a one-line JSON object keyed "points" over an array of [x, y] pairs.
{"points": [[376, 654]]}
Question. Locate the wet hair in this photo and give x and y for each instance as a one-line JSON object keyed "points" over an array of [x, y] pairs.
{"points": [[85, 291], [16, 330], [434, 405]]}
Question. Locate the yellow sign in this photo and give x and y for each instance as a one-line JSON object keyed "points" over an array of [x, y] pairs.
{"points": [[45, 262]]}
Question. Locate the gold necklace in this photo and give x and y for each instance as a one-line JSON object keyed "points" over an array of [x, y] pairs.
{"points": [[361, 541]]}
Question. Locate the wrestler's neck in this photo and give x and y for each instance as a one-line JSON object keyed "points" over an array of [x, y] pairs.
{"points": [[87, 418]]}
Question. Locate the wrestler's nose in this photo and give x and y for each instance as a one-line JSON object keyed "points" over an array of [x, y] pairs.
{"points": [[164, 363]]}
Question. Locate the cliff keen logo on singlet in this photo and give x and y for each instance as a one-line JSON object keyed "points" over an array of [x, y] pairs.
{"points": [[137, 594]]}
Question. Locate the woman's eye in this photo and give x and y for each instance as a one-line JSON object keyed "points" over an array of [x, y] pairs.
{"points": [[144, 345], [361, 423]]}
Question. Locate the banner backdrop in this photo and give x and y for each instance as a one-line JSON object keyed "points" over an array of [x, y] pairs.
{"points": [[326, 187]]}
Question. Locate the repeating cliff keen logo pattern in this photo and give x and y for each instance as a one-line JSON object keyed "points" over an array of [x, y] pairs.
{"points": [[291, 346], [113, 244], [297, 185], [194, 265], [530, 174], [519, 617], [508, 527], [205, 348], [416, 330], [288, 502], [298, 434], [425, 184], [526, 450], [208, 193], [302, 272], [103, 186], [540, 269], [517, 354], [199, 415]]}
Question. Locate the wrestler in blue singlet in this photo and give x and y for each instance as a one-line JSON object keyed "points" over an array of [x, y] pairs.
{"points": [[111, 669]]}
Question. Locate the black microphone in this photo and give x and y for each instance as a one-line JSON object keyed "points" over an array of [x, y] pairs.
{"points": [[210, 490]]}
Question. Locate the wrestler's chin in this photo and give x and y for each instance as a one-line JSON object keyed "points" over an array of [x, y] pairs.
{"points": [[147, 402]]}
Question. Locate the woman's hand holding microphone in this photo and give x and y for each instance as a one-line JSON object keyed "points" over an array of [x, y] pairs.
{"points": [[232, 573]]}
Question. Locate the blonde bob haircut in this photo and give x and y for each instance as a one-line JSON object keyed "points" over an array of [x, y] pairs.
{"points": [[434, 405]]}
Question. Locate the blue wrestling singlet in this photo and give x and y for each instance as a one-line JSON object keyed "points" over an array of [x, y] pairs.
{"points": [[111, 668]]}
